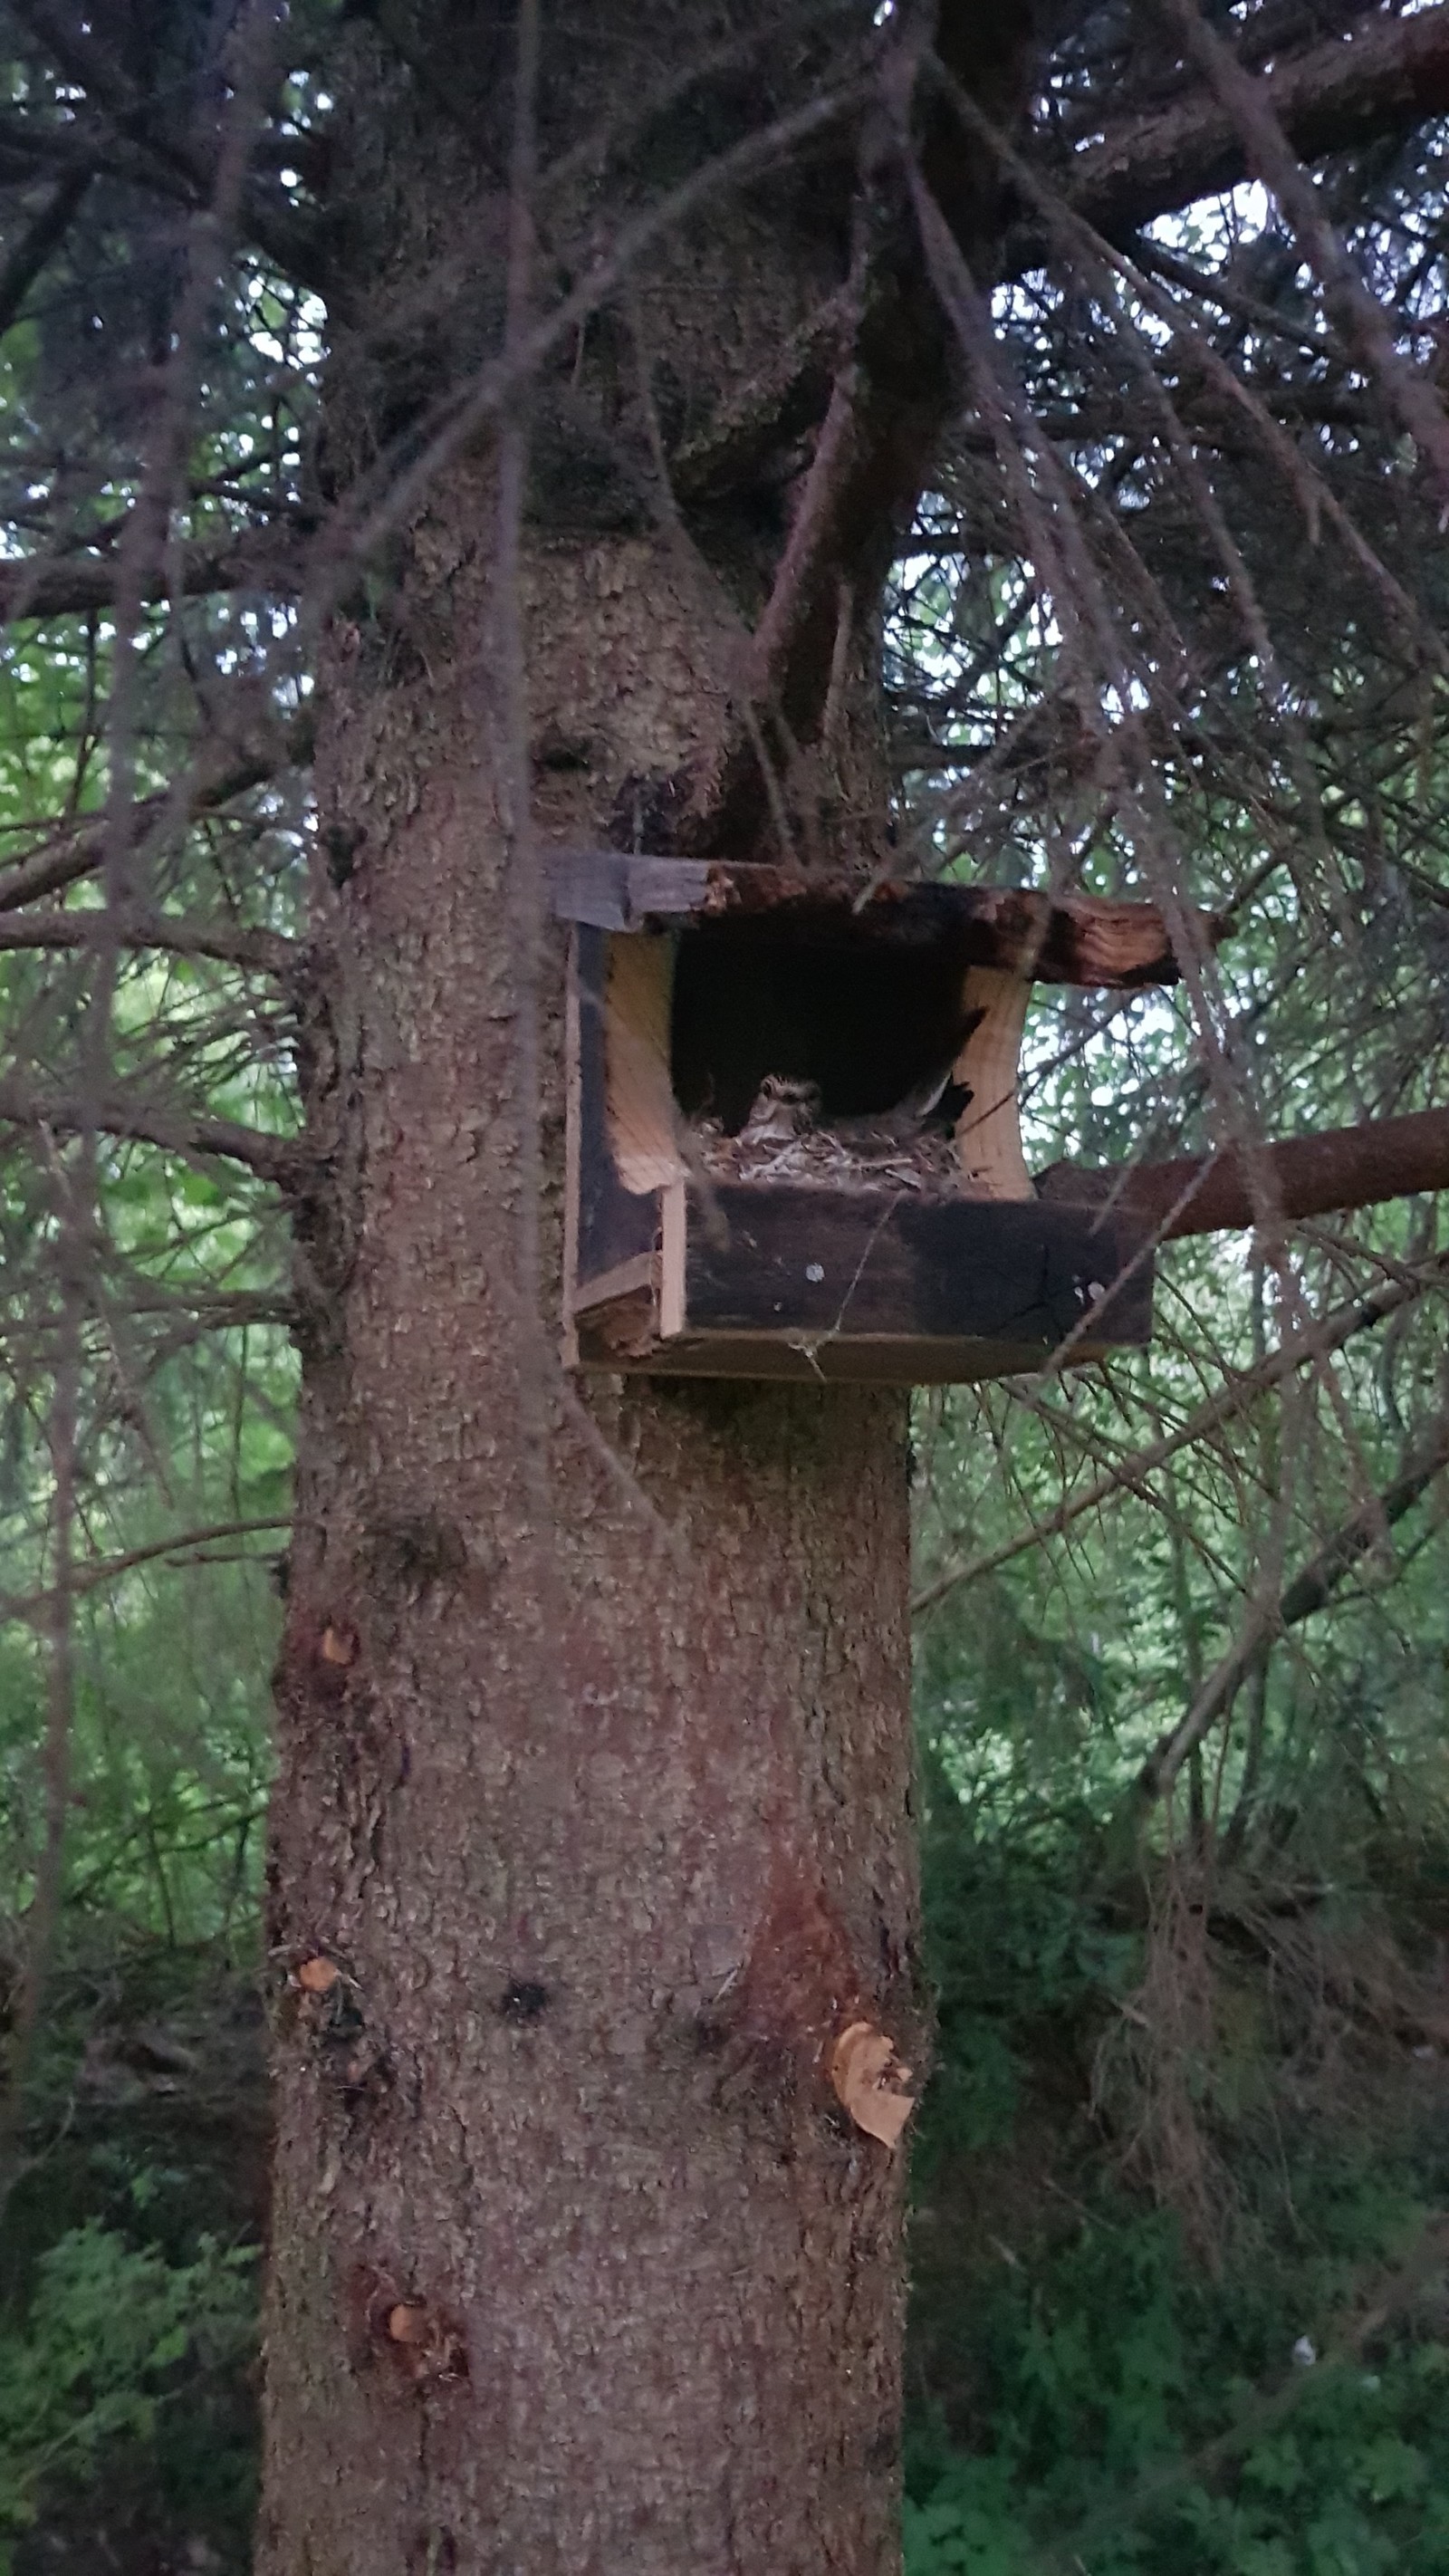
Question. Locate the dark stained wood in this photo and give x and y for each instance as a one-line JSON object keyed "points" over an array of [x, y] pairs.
{"points": [[868, 1360], [813, 1262], [1067, 939], [1303, 1176], [907, 1293]]}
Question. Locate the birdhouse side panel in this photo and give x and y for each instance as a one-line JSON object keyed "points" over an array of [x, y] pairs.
{"points": [[609, 1224]]}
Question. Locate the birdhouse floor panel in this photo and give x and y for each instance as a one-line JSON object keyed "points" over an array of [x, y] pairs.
{"points": [[865, 1360], [764, 1280], [850, 1262]]}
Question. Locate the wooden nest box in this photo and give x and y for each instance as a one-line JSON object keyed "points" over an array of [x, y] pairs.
{"points": [[793, 1145]]}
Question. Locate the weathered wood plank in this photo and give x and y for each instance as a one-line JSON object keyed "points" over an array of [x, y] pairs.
{"points": [[613, 890], [805, 1263]]}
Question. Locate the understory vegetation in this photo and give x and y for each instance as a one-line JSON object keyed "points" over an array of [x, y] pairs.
{"points": [[1181, 2181], [1182, 2217], [1181, 2191]]}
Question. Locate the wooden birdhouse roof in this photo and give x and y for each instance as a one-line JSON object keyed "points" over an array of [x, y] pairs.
{"points": [[1045, 938]]}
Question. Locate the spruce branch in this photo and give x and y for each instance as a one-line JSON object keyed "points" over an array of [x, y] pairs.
{"points": [[78, 850], [1387, 78], [78, 584], [90, 1576], [47, 231], [266, 952], [176, 1131]]}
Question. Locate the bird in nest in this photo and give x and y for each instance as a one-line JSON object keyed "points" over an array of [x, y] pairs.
{"points": [[785, 1137], [786, 1106]]}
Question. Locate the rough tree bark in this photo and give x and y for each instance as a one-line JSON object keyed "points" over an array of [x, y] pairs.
{"points": [[593, 1814]]}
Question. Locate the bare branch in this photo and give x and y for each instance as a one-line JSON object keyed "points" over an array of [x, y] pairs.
{"points": [[1390, 76], [73, 585], [153, 150], [266, 951], [272, 1158], [1310, 1588], [109, 1569], [210, 1310], [80, 849], [46, 233], [1346, 1167], [1272, 158]]}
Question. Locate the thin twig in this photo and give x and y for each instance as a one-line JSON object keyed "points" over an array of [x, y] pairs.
{"points": [[90, 1577]]}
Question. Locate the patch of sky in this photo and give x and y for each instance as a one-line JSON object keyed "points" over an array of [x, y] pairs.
{"points": [[1213, 227]]}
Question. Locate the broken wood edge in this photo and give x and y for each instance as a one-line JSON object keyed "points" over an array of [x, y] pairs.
{"points": [[988, 1132], [1052, 939], [626, 1279], [629, 1315], [620, 1333]]}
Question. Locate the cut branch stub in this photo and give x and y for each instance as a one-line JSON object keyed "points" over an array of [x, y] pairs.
{"points": [[870, 2082]]}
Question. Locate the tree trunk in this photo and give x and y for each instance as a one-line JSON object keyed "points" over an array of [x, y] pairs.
{"points": [[592, 1823], [593, 1753]]}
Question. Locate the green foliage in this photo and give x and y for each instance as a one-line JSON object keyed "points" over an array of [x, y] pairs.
{"points": [[112, 2338], [1127, 2433], [169, 1753], [1094, 2388], [1018, 1957]]}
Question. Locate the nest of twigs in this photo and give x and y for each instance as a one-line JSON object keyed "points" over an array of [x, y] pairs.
{"points": [[831, 1158]]}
